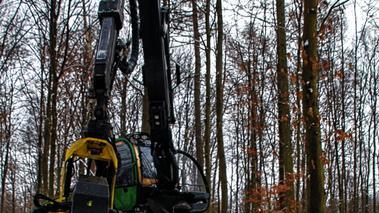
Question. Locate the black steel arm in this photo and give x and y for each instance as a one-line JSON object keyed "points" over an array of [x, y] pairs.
{"points": [[157, 80], [108, 58], [156, 75]]}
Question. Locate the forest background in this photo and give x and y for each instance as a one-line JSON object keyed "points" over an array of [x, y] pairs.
{"points": [[282, 115]]}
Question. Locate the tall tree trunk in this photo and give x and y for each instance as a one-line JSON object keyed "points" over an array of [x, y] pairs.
{"points": [[46, 138], [7, 119], [261, 79], [219, 109], [196, 36], [54, 90], [299, 151], [207, 123], [13, 179], [343, 202], [286, 197], [252, 180], [86, 66], [238, 123], [53, 138], [4, 175], [123, 105], [355, 111], [374, 142], [40, 125], [316, 201]]}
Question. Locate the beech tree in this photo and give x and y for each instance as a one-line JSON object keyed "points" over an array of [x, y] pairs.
{"points": [[315, 182], [219, 109], [285, 146]]}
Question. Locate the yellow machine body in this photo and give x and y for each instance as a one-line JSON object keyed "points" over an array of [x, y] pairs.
{"points": [[90, 149]]}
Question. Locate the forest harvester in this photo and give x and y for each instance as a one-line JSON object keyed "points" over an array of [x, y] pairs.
{"points": [[137, 173]]}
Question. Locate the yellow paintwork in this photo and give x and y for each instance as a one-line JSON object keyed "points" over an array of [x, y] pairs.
{"points": [[142, 180], [138, 163], [90, 148], [82, 148]]}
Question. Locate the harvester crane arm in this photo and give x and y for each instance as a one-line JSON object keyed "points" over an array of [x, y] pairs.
{"points": [[156, 76], [94, 190]]}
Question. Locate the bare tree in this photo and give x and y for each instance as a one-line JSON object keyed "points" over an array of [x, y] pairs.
{"points": [[284, 120], [219, 109], [316, 201]]}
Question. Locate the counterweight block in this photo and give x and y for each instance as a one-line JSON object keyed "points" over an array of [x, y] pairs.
{"points": [[91, 194]]}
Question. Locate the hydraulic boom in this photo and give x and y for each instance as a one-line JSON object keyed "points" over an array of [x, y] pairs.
{"points": [[93, 190]]}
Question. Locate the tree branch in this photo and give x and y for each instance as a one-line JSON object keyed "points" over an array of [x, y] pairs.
{"points": [[334, 6]]}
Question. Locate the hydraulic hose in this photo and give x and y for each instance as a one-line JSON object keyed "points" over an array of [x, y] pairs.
{"points": [[135, 36], [198, 167]]}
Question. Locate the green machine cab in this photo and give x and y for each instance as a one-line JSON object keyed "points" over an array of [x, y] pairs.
{"points": [[137, 175]]}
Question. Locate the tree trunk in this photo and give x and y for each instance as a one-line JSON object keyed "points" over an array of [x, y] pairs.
{"points": [[354, 199], [13, 179], [54, 90], [86, 66], [374, 145], [4, 175], [207, 123], [343, 202], [299, 153], [7, 119], [46, 139], [299, 142], [40, 127], [123, 105], [219, 109], [315, 182], [196, 36], [286, 197]]}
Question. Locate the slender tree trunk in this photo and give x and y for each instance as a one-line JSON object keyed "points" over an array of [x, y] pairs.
{"points": [[261, 109], [252, 77], [2, 144], [53, 71], [219, 109], [4, 175], [340, 172], [355, 177], [238, 123], [285, 148], [13, 179], [53, 139], [196, 36], [46, 138], [8, 130], [207, 123], [86, 66], [40, 127], [299, 165], [123, 105], [374, 144], [343, 95], [316, 202]]}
